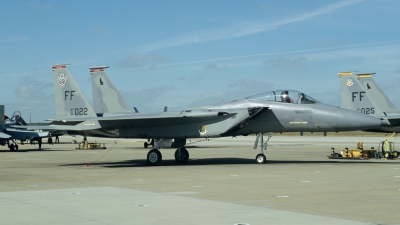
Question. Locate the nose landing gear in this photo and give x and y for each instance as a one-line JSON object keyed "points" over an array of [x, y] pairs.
{"points": [[260, 158]]}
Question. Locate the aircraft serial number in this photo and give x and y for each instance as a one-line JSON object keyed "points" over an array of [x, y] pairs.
{"points": [[79, 111], [366, 110]]}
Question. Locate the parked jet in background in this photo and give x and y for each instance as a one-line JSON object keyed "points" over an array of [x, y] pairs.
{"points": [[360, 93], [11, 130], [275, 111]]}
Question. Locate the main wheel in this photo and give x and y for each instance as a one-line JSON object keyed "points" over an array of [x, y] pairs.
{"points": [[182, 156], [146, 144], [11, 147], [395, 154], [388, 155], [260, 158], [154, 157]]}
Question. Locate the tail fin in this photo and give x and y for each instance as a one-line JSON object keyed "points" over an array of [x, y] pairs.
{"points": [[70, 100], [17, 118], [360, 93], [376, 94], [1, 117], [106, 97]]}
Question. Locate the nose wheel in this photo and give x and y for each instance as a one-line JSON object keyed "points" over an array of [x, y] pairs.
{"points": [[260, 158]]}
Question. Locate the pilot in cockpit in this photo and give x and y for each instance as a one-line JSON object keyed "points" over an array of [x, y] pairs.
{"points": [[285, 97]]}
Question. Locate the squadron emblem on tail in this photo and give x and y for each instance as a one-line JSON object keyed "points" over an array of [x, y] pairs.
{"points": [[62, 79]]}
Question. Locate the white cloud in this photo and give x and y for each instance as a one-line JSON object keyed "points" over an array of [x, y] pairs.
{"points": [[139, 60], [285, 61], [211, 67], [242, 28], [6, 38], [36, 6]]}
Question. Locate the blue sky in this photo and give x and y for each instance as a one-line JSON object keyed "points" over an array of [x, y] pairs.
{"points": [[191, 53]]}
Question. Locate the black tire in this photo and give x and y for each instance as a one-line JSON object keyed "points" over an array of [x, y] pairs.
{"points": [[183, 156], [146, 144], [261, 159], [16, 147], [154, 157], [388, 155], [11, 147], [395, 154]]}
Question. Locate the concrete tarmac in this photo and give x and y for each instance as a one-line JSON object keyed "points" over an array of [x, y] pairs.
{"points": [[220, 184]]}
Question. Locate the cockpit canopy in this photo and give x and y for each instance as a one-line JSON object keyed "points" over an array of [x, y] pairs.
{"points": [[286, 96]]}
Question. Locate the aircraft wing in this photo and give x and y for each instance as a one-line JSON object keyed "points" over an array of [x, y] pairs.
{"points": [[141, 120], [21, 134]]}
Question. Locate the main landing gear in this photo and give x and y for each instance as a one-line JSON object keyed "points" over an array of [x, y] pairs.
{"points": [[154, 157], [260, 158], [13, 146], [181, 155]]}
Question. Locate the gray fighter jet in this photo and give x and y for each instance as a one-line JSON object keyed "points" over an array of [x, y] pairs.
{"points": [[13, 129], [275, 111], [360, 93]]}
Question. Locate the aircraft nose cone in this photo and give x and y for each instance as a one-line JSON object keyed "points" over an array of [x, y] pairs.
{"points": [[351, 120]]}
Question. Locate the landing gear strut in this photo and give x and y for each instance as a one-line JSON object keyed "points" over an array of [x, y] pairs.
{"points": [[148, 142], [260, 158], [13, 146]]}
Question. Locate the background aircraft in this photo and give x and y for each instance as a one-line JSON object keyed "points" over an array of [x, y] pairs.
{"points": [[12, 130], [360, 93], [275, 111]]}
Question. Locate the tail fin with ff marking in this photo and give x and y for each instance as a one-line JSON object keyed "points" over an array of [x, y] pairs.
{"points": [[106, 97], [376, 94], [361, 93], [71, 103]]}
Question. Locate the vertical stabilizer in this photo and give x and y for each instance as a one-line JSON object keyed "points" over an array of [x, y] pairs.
{"points": [[359, 98], [106, 97], [70, 100], [376, 94], [1, 117]]}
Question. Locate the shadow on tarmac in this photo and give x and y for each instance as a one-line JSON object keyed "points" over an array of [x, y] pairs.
{"points": [[33, 150], [219, 161]]}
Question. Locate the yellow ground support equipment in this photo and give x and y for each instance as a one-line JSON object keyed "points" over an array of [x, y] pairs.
{"points": [[87, 145], [358, 153], [386, 148]]}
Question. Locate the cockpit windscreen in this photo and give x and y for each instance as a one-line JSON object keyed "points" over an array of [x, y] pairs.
{"points": [[286, 96]]}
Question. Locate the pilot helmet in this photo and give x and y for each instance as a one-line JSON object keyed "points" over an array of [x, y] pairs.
{"points": [[285, 96]]}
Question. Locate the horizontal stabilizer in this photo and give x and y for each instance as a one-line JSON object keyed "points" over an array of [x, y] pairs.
{"points": [[4, 136]]}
